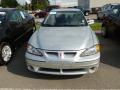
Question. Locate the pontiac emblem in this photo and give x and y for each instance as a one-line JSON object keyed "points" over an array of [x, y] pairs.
{"points": [[60, 54]]}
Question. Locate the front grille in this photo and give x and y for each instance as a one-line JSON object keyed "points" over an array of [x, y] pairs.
{"points": [[73, 70], [52, 54], [69, 54], [49, 70], [63, 70], [61, 54]]}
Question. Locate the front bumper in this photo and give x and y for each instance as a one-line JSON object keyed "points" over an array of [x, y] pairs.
{"points": [[62, 67]]}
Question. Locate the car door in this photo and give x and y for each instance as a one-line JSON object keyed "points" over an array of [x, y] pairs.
{"points": [[29, 23], [16, 25]]}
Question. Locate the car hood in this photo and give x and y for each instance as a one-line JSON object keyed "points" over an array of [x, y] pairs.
{"points": [[63, 38]]}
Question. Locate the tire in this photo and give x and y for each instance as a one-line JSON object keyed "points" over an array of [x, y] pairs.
{"points": [[6, 53], [104, 32]]}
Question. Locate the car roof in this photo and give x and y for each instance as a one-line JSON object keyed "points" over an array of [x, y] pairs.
{"points": [[7, 9], [65, 9], [115, 3]]}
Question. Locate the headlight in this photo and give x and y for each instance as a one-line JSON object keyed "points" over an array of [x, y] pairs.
{"points": [[91, 51], [33, 50]]}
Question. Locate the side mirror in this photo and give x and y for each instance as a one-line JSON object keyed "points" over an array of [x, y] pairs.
{"points": [[90, 22]]}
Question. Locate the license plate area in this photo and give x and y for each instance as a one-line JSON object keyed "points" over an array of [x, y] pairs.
{"points": [[60, 64]]}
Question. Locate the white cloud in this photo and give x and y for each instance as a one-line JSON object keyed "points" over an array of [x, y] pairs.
{"points": [[23, 2], [64, 3]]}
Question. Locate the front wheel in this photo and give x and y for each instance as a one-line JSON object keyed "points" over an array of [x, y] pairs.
{"points": [[6, 53]]}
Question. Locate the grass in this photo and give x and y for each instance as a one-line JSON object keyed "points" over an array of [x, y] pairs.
{"points": [[96, 26], [37, 26]]}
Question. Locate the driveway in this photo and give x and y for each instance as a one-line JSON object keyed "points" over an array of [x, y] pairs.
{"points": [[15, 75]]}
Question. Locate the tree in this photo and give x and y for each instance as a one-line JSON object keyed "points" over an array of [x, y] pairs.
{"points": [[39, 4], [9, 3]]}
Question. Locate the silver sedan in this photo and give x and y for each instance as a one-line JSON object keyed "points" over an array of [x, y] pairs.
{"points": [[64, 45]]}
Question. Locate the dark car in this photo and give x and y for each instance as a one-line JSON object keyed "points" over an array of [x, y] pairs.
{"points": [[111, 23], [15, 26], [40, 14], [44, 13], [105, 10], [85, 11], [51, 7]]}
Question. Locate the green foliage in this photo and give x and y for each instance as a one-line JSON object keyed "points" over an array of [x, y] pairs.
{"points": [[96, 26], [9, 3], [36, 4], [39, 4], [37, 26], [20, 7]]}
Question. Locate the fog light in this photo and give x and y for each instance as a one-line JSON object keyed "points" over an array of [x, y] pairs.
{"points": [[30, 68], [92, 69]]}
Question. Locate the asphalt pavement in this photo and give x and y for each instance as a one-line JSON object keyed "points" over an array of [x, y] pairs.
{"points": [[16, 75]]}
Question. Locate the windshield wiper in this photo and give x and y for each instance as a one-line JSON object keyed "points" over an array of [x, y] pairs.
{"points": [[70, 25], [49, 25]]}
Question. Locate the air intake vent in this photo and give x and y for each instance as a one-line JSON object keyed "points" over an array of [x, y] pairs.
{"points": [[69, 54]]}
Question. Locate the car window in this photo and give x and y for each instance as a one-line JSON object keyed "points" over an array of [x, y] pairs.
{"points": [[115, 11], [65, 18], [109, 7], [2, 16], [102, 8], [26, 14], [16, 16], [105, 7], [22, 14]]}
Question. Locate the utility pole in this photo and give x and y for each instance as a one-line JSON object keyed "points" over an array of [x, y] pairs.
{"points": [[55, 2]]}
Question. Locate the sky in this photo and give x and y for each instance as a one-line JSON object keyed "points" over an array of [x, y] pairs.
{"points": [[22, 2]]}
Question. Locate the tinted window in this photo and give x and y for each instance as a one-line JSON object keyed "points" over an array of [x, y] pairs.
{"points": [[16, 16], [2, 16], [67, 18], [26, 14], [104, 7], [116, 11], [109, 7]]}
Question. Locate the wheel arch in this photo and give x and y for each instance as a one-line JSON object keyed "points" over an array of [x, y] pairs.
{"points": [[7, 40]]}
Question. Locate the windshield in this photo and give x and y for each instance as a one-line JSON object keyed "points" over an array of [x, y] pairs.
{"points": [[65, 18], [2, 16]]}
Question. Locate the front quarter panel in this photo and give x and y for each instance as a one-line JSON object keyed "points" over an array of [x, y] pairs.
{"points": [[33, 40], [95, 38]]}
